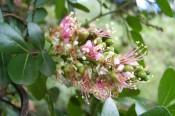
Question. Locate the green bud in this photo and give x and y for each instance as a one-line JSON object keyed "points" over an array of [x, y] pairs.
{"points": [[139, 68], [66, 72], [142, 74], [147, 72], [110, 49], [128, 68], [109, 42], [133, 79], [99, 41], [81, 69], [83, 35], [145, 79], [112, 74]]}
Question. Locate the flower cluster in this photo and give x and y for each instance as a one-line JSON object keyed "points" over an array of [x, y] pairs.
{"points": [[90, 62]]}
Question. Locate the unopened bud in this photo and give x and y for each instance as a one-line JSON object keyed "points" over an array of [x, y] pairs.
{"points": [[81, 69], [147, 72], [83, 35], [128, 68], [112, 74], [109, 42], [139, 68], [142, 74], [110, 49]]}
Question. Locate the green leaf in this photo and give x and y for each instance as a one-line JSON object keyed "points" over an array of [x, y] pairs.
{"points": [[105, 6], [95, 103], [80, 7], [36, 35], [137, 37], [40, 2], [157, 111], [166, 88], [10, 40], [4, 76], [134, 23], [109, 108], [54, 93], [60, 9], [131, 111], [46, 65], [1, 16], [171, 109], [22, 69], [38, 89], [40, 14], [129, 92], [14, 23], [74, 107], [165, 7]]}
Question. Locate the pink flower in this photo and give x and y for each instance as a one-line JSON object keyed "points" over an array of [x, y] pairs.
{"points": [[120, 68], [86, 48], [104, 32], [93, 51], [69, 26], [121, 80], [130, 58]]}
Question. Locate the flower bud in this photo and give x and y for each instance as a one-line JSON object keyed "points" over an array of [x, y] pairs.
{"points": [[128, 68], [142, 74], [139, 68], [110, 49], [112, 74], [133, 79], [147, 72], [83, 35], [48, 38], [81, 69], [145, 79], [109, 42], [99, 41], [66, 72]]}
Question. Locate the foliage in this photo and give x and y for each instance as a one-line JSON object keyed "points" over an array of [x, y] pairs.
{"points": [[28, 61]]}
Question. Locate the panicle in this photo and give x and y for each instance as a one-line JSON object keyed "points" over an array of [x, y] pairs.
{"points": [[90, 62]]}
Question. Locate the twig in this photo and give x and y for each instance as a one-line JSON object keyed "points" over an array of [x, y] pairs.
{"points": [[9, 103], [110, 12], [153, 26], [24, 100], [15, 16], [33, 10]]}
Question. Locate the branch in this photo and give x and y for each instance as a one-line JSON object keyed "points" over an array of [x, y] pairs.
{"points": [[34, 8], [24, 99], [15, 16], [9, 103], [110, 12]]}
